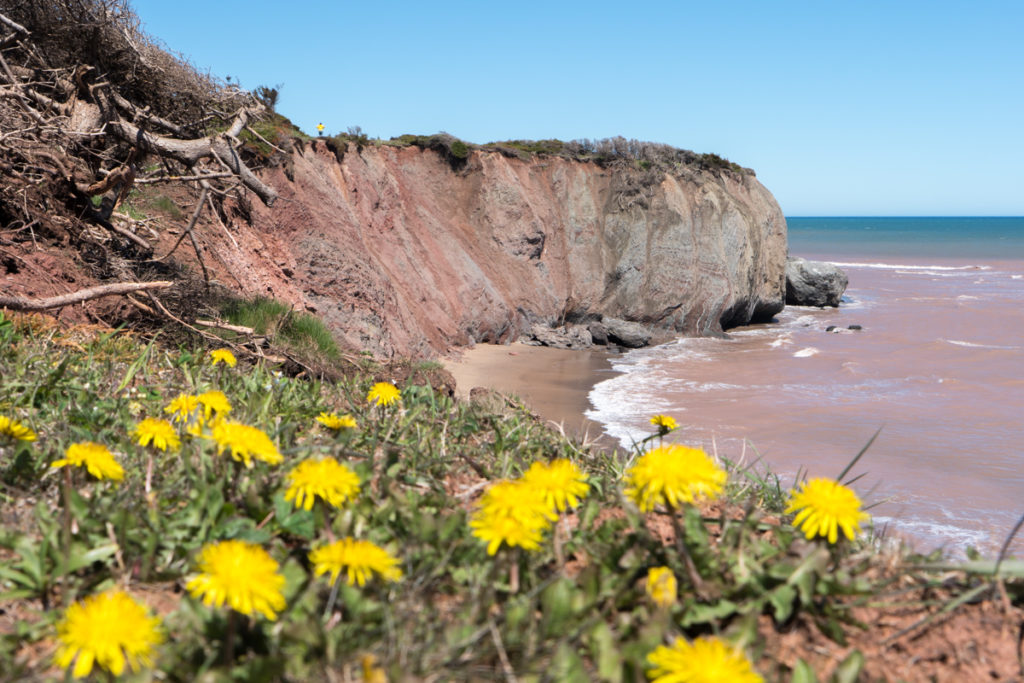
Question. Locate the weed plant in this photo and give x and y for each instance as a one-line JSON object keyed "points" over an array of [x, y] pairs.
{"points": [[578, 607]]}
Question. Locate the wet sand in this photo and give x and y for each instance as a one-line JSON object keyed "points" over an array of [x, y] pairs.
{"points": [[553, 383]]}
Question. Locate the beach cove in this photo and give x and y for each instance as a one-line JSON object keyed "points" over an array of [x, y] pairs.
{"points": [[936, 370]]}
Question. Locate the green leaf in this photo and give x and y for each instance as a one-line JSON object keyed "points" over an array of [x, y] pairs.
{"points": [[805, 574], [849, 669], [293, 520], [708, 614], [82, 557], [568, 666], [556, 605], [803, 673], [605, 654], [782, 602], [17, 577]]}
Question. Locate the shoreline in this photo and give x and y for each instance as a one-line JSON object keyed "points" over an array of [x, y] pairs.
{"points": [[553, 383]]}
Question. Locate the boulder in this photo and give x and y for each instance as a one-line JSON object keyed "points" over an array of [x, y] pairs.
{"points": [[626, 333], [813, 283], [568, 337], [598, 332]]}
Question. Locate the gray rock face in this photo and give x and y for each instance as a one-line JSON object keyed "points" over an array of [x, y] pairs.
{"points": [[813, 283], [402, 255], [624, 333]]}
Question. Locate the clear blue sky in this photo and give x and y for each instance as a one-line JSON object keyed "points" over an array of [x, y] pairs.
{"points": [[842, 108]]}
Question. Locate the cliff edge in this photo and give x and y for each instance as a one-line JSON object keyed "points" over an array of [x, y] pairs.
{"points": [[402, 252]]}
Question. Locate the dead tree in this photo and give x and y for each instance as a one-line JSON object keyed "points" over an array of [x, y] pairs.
{"points": [[88, 102]]}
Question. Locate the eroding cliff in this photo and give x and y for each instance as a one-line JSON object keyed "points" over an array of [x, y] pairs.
{"points": [[400, 253]]}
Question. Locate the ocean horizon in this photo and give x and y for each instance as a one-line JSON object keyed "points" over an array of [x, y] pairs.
{"points": [[937, 367]]}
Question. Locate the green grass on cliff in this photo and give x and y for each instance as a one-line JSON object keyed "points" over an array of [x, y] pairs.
{"points": [[295, 331], [577, 608]]}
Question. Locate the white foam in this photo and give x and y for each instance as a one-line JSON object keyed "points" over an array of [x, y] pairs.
{"points": [[975, 345], [905, 267], [952, 537], [806, 353], [781, 341]]}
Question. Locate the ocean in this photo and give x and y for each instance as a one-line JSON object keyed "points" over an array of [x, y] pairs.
{"points": [[937, 370]]}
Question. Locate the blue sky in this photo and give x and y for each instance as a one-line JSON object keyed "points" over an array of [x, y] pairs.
{"points": [[852, 108]]}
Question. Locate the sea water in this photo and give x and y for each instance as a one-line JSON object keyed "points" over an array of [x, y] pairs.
{"points": [[937, 371]]}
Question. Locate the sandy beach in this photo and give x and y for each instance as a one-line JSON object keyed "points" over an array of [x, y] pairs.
{"points": [[554, 383]]}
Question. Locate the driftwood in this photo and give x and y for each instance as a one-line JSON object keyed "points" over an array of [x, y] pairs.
{"points": [[17, 303], [225, 326]]}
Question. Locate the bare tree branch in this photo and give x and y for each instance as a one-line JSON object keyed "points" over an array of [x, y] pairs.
{"points": [[17, 303], [190, 152]]}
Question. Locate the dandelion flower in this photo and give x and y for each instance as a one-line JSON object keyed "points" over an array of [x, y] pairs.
{"points": [[560, 482], [706, 660], [183, 407], [383, 394], [360, 560], [223, 356], [333, 481], [372, 673], [824, 506], [110, 629], [336, 422], [662, 586], [511, 512], [214, 402], [94, 457], [240, 574], [159, 433], [245, 443], [14, 429], [664, 423], [673, 474]]}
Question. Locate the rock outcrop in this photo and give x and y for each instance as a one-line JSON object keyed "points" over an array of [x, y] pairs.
{"points": [[402, 252], [814, 283]]}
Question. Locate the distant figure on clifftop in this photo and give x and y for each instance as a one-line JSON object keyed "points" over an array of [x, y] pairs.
{"points": [[319, 129]]}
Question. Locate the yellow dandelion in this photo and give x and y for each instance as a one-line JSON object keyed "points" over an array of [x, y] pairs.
{"points": [[706, 660], [560, 482], [372, 673], [241, 574], [223, 356], [336, 422], [110, 629], [214, 402], [94, 457], [671, 475], [383, 394], [183, 408], [514, 513], [360, 560], [824, 506], [159, 433], [14, 429], [244, 442], [333, 481], [662, 587], [664, 423]]}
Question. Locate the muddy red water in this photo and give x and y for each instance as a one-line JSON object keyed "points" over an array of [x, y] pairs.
{"points": [[938, 367]]}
